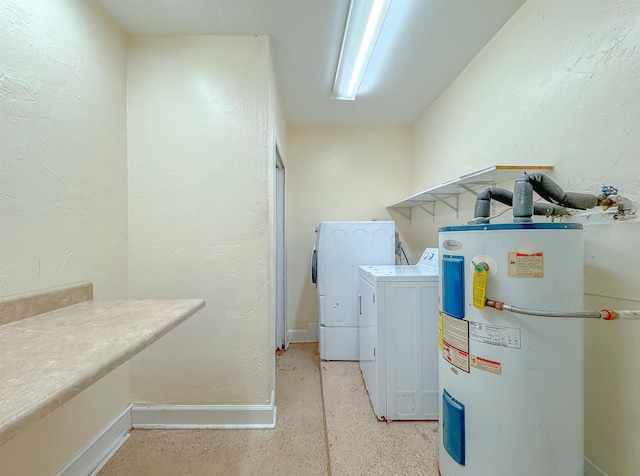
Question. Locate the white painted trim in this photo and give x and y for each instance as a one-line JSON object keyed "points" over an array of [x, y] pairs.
{"points": [[204, 416], [95, 454], [590, 469], [299, 335]]}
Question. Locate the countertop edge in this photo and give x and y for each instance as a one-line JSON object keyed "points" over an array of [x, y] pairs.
{"points": [[11, 427]]}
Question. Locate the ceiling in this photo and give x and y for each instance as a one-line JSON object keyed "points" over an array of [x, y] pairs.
{"points": [[423, 46]]}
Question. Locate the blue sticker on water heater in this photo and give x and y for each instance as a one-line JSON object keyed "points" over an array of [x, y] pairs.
{"points": [[453, 434], [453, 285]]}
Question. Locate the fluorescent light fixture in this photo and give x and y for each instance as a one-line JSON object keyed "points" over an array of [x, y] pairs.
{"points": [[360, 34]]}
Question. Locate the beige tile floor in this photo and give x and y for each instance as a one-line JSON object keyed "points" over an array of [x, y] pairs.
{"points": [[325, 426], [359, 444]]}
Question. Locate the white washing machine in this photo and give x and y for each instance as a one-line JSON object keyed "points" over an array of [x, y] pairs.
{"points": [[398, 333]]}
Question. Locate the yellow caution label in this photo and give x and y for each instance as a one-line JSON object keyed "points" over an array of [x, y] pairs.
{"points": [[479, 286], [485, 364], [526, 265]]}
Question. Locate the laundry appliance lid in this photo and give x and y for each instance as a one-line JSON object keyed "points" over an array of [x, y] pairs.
{"points": [[426, 269]]}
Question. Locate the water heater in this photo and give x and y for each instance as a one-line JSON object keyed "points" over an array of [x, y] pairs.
{"points": [[511, 386]]}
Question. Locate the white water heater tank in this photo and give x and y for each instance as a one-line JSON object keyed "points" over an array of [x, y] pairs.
{"points": [[511, 385]]}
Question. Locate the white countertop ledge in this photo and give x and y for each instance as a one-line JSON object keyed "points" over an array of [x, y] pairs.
{"points": [[47, 359]]}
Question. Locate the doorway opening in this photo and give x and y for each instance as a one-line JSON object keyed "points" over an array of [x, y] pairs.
{"points": [[282, 334]]}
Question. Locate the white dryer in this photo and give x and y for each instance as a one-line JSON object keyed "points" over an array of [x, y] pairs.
{"points": [[341, 247], [398, 336]]}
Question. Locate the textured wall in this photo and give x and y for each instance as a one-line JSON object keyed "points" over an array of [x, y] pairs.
{"points": [[199, 131], [63, 202], [63, 189], [342, 174], [560, 85]]}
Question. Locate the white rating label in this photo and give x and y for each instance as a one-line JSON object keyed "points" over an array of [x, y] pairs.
{"points": [[495, 335]]}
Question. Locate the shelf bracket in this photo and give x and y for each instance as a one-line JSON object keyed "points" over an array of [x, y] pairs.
{"points": [[431, 212], [468, 189], [405, 212], [453, 207], [478, 185]]}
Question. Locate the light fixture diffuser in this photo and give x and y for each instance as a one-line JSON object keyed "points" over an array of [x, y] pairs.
{"points": [[360, 34]]}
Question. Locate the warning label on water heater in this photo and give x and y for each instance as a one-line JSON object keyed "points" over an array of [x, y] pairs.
{"points": [[525, 265], [455, 357], [486, 365], [455, 332], [455, 341]]}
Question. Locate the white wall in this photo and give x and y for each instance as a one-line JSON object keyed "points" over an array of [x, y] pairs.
{"points": [[336, 173], [560, 85], [63, 176], [63, 182], [199, 164]]}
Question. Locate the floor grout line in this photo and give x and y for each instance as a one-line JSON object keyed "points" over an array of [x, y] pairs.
{"points": [[324, 418]]}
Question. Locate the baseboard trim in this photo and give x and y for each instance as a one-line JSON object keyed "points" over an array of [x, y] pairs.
{"points": [[300, 335], [590, 469], [204, 416], [95, 454]]}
